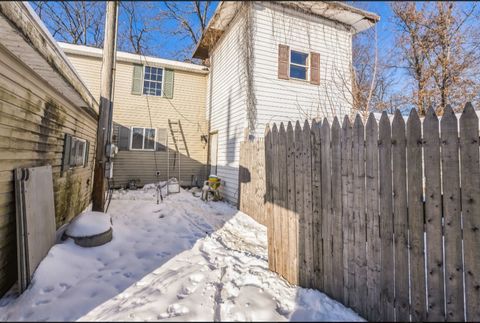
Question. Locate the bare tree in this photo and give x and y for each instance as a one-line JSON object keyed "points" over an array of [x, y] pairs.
{"points": [[190, 20], [455, 58], [135, 28], [415, 44], [439, 47], [76, 22]]}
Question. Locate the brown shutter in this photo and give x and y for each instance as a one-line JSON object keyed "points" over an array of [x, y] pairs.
{"points": [[315, 68], [283, 61]]}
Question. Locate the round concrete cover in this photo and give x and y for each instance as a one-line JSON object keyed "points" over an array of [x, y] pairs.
{"points": [[90, 229]]}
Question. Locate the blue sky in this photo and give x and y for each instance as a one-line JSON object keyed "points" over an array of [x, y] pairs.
{"points": [[165, 45], [162, 43]]}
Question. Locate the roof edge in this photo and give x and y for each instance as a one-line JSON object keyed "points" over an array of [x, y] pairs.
{"points": [[210, 35], [29, 24], [132, 58]]}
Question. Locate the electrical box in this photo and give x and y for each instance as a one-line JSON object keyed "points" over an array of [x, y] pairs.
{"points": [[109, 169], [111, 150]]}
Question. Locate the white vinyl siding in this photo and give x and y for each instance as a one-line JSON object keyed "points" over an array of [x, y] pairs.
{"points": [[227, 112], [282, 101]]}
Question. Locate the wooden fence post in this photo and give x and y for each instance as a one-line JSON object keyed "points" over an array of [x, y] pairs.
{"points": [[337, 223], [299, 188], [348, 232], [386, 219], [433, 217], [373, 229], [470, 178], [317, 206], [359, 215], [282, 201], [293, 215], [400, 218], [326, 207], [416, 217], [307, 203], [269, 197], [452, 217]]}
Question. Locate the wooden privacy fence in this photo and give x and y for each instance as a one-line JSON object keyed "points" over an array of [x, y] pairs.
{"points": [[384, 218], [252, 179]]}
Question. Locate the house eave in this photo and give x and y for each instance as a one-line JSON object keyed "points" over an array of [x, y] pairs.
{"points": [[221, 19], [26, 37], [357, 19]]}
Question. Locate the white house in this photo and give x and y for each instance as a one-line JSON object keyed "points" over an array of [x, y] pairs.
{"points": [[271, 62]]}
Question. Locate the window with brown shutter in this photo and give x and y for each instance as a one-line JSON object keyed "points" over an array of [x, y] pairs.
{"points": [[283, 54], [315, 68]]}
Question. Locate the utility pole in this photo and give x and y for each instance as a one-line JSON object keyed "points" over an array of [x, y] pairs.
{"points": [[102, 161]]}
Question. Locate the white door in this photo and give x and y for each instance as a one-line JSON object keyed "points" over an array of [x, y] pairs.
{"points": [[213, 142]]}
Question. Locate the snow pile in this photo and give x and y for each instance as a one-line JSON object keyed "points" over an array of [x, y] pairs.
{"points": [[147, 192], [89, 224], [183, 259]]}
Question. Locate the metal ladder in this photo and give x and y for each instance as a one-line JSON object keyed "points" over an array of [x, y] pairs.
{"points": [[178, 137]]}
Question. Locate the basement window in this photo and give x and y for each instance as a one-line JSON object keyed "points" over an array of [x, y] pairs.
{"points": [[77, 152], [142, 138], [152, 81], [298, 65]]}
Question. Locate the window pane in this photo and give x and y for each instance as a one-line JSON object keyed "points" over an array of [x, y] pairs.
{"points": [[149, 139], [152, 84], [80, 152], [298, 58], [137, 138], [73, 152], [298, 72]]}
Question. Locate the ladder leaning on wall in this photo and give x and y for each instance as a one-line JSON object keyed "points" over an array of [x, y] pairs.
{"points": [[178, 138]]}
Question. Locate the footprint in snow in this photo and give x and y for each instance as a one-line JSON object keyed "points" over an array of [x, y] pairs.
{"points": [[48, 289], [64, 285], [42, 302], [174, 310], [196, 278]]}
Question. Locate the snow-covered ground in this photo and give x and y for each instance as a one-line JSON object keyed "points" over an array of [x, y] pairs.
{"points": [[183, 259]]}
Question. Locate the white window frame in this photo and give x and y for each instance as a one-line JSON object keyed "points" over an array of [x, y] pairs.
{"points": [[307, 66], [73, 139], [163, 79], [143, 141]]}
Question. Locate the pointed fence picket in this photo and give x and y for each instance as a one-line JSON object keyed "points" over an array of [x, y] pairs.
{"points": [[381, 216]]}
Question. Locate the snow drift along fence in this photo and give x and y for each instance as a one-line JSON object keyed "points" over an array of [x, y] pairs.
{"points": [[352, 211], [252, 179]]}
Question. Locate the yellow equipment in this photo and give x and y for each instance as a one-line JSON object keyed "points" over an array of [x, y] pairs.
{"points": [[210, 189]]}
